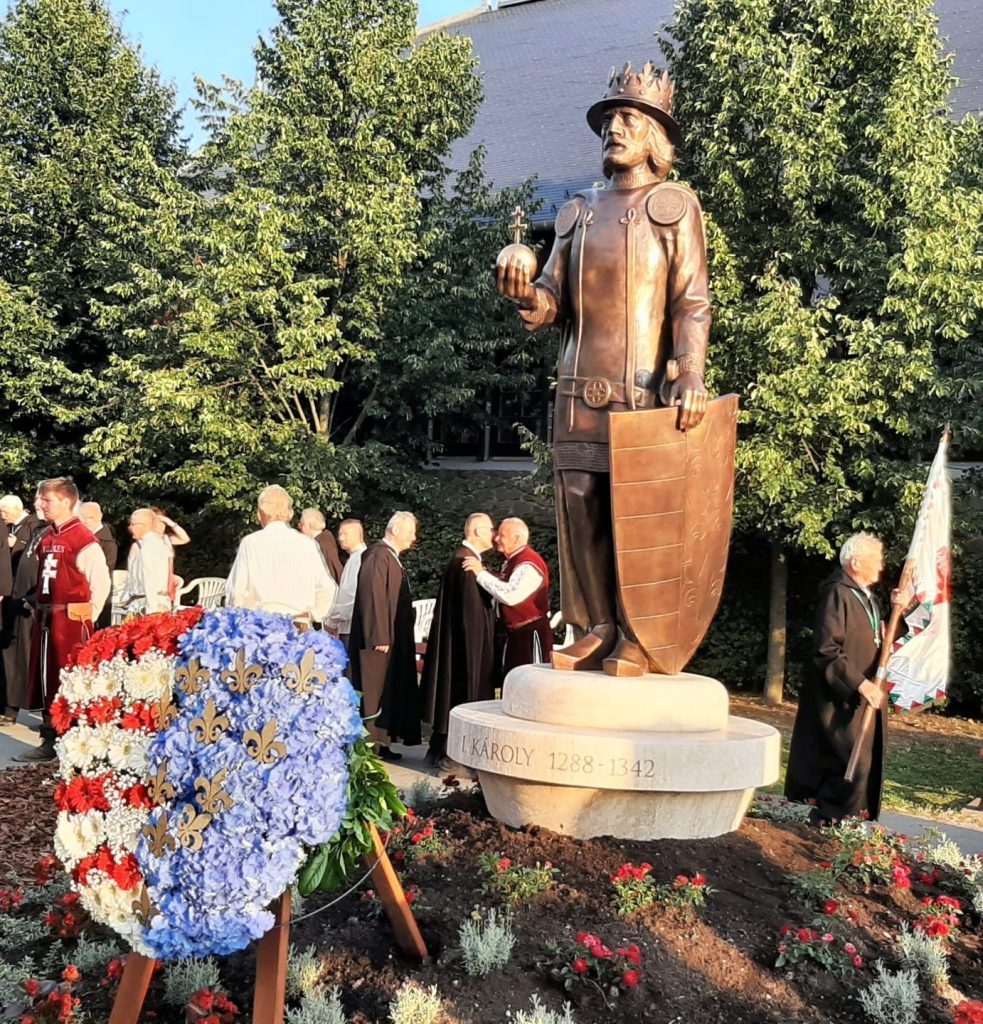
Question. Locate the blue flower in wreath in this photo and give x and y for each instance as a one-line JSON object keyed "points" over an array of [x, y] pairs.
{"points": [[257, 757]]}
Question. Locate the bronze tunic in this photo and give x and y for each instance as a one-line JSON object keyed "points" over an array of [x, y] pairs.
{"points": [[627, 279]]}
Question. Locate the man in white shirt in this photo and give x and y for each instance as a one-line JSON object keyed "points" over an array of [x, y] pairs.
{"points": [[277, 568], [351, 538], [522, 593], [148, 566]]}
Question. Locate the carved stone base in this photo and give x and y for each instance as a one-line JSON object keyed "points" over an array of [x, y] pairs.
{"points": [[584, 754]]}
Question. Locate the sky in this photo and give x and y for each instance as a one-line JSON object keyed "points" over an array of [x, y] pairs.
{"points": [[184, 38]]}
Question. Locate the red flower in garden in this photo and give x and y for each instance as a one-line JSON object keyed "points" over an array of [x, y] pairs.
{"points": [[503, 863], [71, 973], [785, 929], [43, 869], [698, 880], [858, 961], [681, 880], [580, 965], [830, 907], [634, 954], [631, 978], [969, 1012], [804, 935]]}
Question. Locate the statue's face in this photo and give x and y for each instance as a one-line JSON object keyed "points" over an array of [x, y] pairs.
{"points": [[624, 140]]}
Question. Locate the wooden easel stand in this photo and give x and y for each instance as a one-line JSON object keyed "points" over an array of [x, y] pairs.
{"points": [[271, 953]]}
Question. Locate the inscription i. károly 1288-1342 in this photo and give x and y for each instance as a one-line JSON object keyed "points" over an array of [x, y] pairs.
{"points": [[479, 748]]}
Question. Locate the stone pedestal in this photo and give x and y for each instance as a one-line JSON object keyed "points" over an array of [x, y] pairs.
{"points": [[586, 754]]}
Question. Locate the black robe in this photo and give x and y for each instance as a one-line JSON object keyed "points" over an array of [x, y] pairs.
{"points": [[110, 551], [459, 665], [844, 653], [383, 616], [6, 572], [22, 533], [17, 623], [329, 550]]}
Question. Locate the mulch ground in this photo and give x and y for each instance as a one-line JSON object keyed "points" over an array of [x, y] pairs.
{"points": [[715, 966]]}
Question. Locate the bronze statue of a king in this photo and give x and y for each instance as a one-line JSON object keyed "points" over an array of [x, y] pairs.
{"points": [[644, 461]]}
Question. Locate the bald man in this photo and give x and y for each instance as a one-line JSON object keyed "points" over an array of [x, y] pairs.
{"points": [[522, 593], [90, 512], [148, 565]]}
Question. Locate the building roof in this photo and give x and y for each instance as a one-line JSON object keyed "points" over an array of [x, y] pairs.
{"points": [[543, 62]]}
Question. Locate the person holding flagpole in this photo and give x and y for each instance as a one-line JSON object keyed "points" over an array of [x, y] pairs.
{"points": [[840, 684]]}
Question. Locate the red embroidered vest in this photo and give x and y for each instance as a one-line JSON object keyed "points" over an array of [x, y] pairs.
{"points": [[533, 608], [60, 581]]}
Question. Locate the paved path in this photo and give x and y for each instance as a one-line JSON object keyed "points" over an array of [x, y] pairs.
{"points": [[14, 739]]}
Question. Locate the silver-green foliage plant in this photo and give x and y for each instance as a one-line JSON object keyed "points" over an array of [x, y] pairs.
{"points": [[422, 796], [486, 943], [91, 956], [892, 998], [303, 971], [415, 1005], [182, 978], [318, 1007], [924, 954], [539, 1014], [12, 976], [16, 932]]}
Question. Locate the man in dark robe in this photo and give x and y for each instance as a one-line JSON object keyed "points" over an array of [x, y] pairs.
{"points": [[90, 512], [459, 665], [312, 524], [23, 525], [16, 621], [382, 648], [840, 683], [522, 593]]}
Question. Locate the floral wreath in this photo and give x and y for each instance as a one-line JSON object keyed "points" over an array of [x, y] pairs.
{"points": [[201, 753]]}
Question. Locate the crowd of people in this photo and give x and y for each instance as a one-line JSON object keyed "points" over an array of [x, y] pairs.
{"points": [[56, 568]]}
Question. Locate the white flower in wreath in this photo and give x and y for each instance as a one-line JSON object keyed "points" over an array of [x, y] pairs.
{"points": [[149, 678], [129, 750], [78, 835], [104, 683], [123, 826], [75, 684], [78, 747], [103, 737]]}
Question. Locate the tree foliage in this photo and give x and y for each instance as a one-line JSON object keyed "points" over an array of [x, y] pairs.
{"points": [[845, 212]]}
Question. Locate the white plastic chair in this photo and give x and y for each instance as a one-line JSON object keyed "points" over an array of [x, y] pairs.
{"points": [[117, 611], [423, 611], [211, 592]]}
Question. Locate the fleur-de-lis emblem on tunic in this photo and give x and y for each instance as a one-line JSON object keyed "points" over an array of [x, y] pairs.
{"points": [[190, 826], [211, 797], [166, 712], [264, 747], [241, 679], [192, 678], [304, 678], [158, 836], [161, 791], [210, 726]]}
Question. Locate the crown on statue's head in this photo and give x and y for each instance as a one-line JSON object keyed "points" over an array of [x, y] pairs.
{"points": [[646, 90]]}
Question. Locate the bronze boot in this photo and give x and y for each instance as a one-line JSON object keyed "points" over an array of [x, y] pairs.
{"points": [[627, 659], [588, 653]]}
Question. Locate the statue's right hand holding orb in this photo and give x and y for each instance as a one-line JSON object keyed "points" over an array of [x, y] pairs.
{"points": [[689, 393], [514, 271]]}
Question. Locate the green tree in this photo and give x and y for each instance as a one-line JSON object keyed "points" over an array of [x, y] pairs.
{"points": [[88, 149], [305, 213], [844, 231]]}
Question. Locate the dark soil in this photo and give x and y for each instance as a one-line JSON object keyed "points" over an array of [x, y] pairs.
{"points": [[714, 966]]}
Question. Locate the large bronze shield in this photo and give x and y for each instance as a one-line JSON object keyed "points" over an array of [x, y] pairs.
{"points": [[672, 495]]}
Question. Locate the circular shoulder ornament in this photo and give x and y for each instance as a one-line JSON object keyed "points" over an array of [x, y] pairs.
{"points": [[566, 219], [667, 204]]}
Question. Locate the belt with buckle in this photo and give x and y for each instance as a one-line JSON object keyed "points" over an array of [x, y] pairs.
{"points": [[597, 392]]}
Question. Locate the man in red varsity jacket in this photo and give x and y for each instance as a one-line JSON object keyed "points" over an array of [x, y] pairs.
{"points": [[522, 594], [73, 585]]}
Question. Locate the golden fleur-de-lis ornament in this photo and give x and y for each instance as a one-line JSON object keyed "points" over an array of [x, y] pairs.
{"points": [[165, 712], [192, 678], [264, 747], [190, 827], [211, 797], [242, 678], [210, 726], [142, 907], [158, 836], [161, 791], [304, 678]]}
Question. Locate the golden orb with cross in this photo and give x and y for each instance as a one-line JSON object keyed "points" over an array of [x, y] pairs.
{"points": [[517, 252]]}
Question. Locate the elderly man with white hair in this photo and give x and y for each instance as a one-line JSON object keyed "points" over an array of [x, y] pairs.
{"points": [[278, 569], [148, 568], [21, 526], [312, 524], [840, 682], [382, 646]]}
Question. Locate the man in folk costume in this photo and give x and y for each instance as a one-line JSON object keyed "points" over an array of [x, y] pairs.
{"points": [[627, 282], [382, 646], [839, 685], [459, 665], [523, 596], [73, 585]]}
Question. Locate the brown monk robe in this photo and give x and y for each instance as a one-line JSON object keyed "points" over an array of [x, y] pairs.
{"points": [[381, 646]]}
